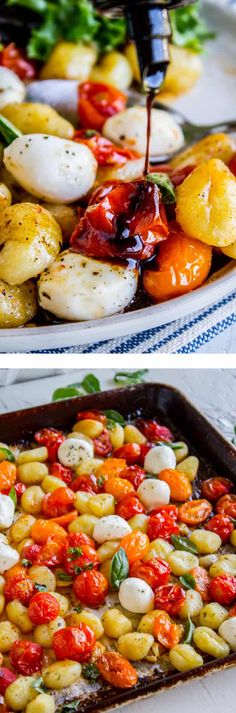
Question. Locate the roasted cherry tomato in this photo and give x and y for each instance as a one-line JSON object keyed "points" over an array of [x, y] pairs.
{"points": [[155, 571], [165, 631], [222, 589], [227, 505], [136, 545], [76, 641], [116, 670], [91, 588], [105, 152], [118, 487], [52, 439], [22, 589], [15, 59], [95, 415], [232, 612], [26, 657], [222, 525], [19, 490], [179, 175], [78, 539], [80, 558], [195, 512], [16, 572], [58, 502], [128, 223], [43, 608], [43, 529], [180, 487], [6, 677], [102, 445], [153, 431], [170, 509], [170, 597], [162, 525], [129, 506], [30, 554], [182, 264], [65, 520], [97, 102], [8, 472], [202, 581], [60, 471], [130, 452], [86, 483], [232, 164], [144, 449], [134, 474], [213, 488], [51, 553]]}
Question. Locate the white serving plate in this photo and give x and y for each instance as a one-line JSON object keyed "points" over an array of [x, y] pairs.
{"points": [[212, 100]]}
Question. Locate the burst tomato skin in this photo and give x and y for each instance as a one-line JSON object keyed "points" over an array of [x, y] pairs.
{"points": [[60, 471], [170, 597], [155, 572], [59, 502], [85, 558], [43, 608], [78, 539], [91, 588], [227, 505], [22, 589], [15, 59], [6, 677], [26, 657], [130, 452], [52, 439], [165, 631], [50, 554], [77, 641], [102, 445], [105, 151], [30, 553], [222, 525], [213, 488], [129, 506], [19, 490], [135, 474], [195, 512], [180, 487], [222, 589], [116, 670], [202, 581], [135, 544], [95, 415], [97, 102], [162, 525], [86, 483], [170, 510], [153, 431]]}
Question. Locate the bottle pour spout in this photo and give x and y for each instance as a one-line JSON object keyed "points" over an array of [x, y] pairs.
{"points": [[149, 28]]}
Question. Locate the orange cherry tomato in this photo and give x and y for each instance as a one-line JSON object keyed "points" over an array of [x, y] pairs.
{"points": [[91, 588], [8, 472], [180, 487], [43, 529], [51, 554], [111, 468], [227, 505], [118, 487], [195, 512], [97, 102], [43, 608], [202, 581], [165, 631], [170, 597], [182, 264], [116, 670], [135, 545], [58, 502], [22, 589], [16, 572], [65, 520]]}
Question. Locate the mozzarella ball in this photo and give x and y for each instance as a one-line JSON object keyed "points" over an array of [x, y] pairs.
{"points": [[227, 631], [128, 128], [159, 458], [12, 88], [73, 451], [80, 288], [7, 510], [153, 493], [136, 595], [53, 169], [110, 527], [8, 557]]}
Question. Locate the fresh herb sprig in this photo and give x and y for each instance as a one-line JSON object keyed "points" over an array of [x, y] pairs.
{"points": [[89, 385]]}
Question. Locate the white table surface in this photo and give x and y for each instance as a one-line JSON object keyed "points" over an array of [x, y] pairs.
{"points": [[214, 392]]}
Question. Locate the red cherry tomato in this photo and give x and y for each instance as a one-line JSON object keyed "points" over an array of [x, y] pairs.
{"points": [[227, 505], [232, 164], [153, 431], [202, 581], [129, 506], [43, 608], [116, 670], [22, 589], [155, 571], [60, 471], [144, 449], [30, 553], [170, 510], [102, 445], [222, 525], [97, 102], [59, 502], [80, 558], [76, 641], [170, 597], [16, 60], [87, 483], [92, 415], [162, 525], [232, 612], [222, 589], [179, 175], [105, 152], [19, 490], [91, 588], [78, 539], [130, 452], [166, 631], [6, 677], [134, 474], [26, 657], [52, 439], [213, 488]]}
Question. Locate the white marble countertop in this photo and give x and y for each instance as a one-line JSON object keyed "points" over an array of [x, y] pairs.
{"points": [[214, 393]]}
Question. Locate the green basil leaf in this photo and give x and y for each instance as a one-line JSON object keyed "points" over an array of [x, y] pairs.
{"points": [[183, 543], [174, 446], [130, 377], [90, 672], [64, 576], [189, 629], [114, 417], [77, 608], [26, 563], [119, 568], [165, 185], [39, 685], [91, 384], [70, 706], [40, 587], [188, 581], [65, 392], [13, 496], [6, 454], [8, 132]]}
